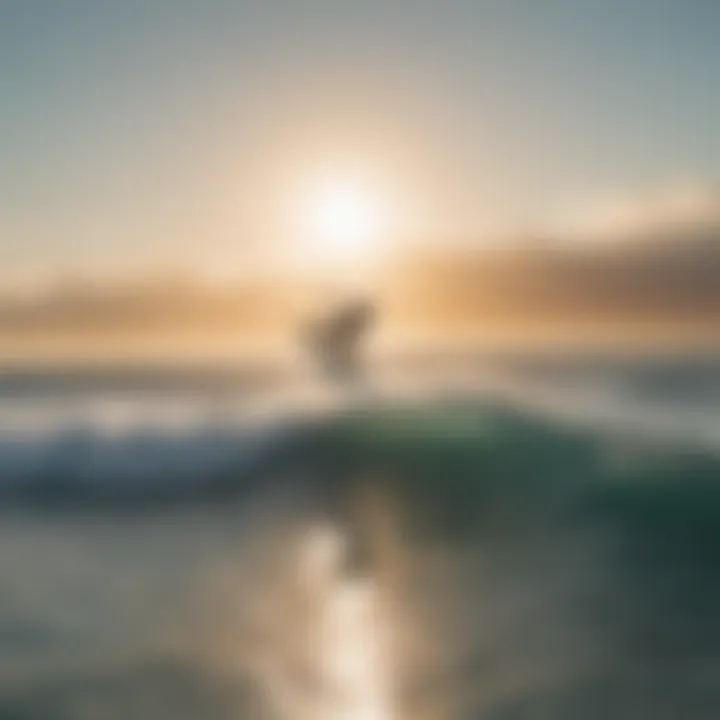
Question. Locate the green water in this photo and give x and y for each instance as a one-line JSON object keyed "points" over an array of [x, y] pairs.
{"points": [[536, 572]]}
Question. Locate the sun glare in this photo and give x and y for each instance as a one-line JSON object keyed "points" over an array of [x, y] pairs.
{"points": [[343, 220]]}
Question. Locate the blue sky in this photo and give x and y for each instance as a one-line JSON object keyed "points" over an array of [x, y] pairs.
{"points": [[137, 133]]}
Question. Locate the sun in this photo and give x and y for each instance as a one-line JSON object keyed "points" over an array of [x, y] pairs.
{"points": [[343, 219]]}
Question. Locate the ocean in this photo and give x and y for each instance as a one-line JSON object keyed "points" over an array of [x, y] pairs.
{"points": [[516, 537]]}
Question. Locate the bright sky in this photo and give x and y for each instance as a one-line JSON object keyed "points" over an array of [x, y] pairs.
{"points": [[171, 133]]}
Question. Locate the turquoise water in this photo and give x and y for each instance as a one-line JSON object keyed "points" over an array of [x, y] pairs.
{"points": [[524, 567]]}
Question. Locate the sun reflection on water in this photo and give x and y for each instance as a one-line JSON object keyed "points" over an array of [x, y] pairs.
{"points": [[343, 671]]}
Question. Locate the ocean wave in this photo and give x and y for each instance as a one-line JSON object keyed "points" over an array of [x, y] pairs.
{"points": [[120, 447]]}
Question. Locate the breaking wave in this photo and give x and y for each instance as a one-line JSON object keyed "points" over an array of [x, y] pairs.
{"points": [[90, 446]]}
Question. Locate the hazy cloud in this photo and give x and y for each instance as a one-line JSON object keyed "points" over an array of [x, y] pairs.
{"points": [[644, 260]]}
